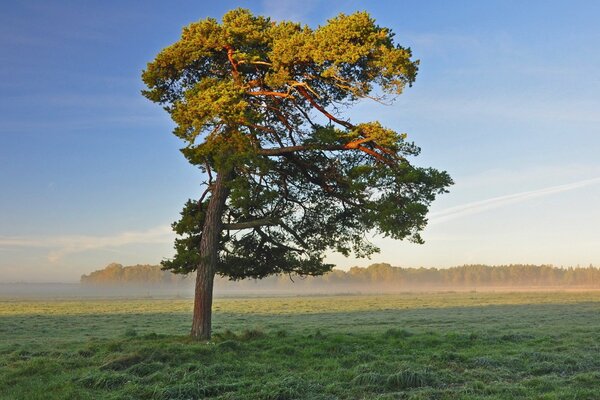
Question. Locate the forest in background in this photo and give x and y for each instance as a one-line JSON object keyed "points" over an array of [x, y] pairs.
{"points": [[380, 276]]}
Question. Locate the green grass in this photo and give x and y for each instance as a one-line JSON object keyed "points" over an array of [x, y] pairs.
{"points": [[407, 346]]}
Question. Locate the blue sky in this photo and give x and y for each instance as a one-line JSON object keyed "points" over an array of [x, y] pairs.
{"points": [[507, 100]]}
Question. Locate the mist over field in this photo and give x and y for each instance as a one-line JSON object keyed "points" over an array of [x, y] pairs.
{"points": [[381, 276], [150, 281]]}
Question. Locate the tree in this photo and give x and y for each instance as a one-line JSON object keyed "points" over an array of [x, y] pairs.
{"points": [[257, 104]]}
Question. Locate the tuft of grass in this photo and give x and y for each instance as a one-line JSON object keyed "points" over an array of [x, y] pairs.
{"points": [[145, 368], [184, 391], [105, 380], [225, 335], [282, 333], [121, 362], [485, 362], [131, 333], [370, 379], [398, 333], [251, 334], [407, 379], [232, 345]]}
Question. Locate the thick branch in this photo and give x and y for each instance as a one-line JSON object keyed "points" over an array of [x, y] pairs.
{"points": [[201, 200], [355, 145], [234, 64], [209, 172], [263, 63], [294, 234], [375, 155], [250, 224], [268, 93], [275, 242], [302, 90], [279, 151]]}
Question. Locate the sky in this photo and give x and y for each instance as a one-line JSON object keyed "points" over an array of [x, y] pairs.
{"points": [[507, 100]]}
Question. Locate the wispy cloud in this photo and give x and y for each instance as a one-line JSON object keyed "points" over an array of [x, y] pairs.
{"points": [[60, 246], [496, 202], [573, 171]]}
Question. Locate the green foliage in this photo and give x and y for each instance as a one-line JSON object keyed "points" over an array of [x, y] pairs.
{"points": [[250, 100], [118, 274]]}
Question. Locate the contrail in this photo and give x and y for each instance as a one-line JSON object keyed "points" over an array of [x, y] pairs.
{"points": [[496, 202]]}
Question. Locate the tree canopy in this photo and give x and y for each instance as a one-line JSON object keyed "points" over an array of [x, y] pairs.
{"points": [[259, 101], [259, 106]]}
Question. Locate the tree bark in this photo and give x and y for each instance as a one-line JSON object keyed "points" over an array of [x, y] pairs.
{"points": [[209, 249]]}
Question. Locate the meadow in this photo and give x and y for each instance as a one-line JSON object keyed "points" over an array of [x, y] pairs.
{"points": [[466, 345]]}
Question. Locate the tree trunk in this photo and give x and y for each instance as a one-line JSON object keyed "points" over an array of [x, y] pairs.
{"points": [[209, 249]]}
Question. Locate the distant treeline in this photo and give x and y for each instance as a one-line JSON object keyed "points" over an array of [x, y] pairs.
{"points": [[382, 276]]}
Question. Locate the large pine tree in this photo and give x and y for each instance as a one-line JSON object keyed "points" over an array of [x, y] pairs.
{"points": [[259, 106]]}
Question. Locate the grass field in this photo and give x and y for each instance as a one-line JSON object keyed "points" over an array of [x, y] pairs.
{"points": [[406, 346]]}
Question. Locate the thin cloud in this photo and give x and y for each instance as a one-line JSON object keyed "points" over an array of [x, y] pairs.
{"points": [[501, 201], [60, 246]]}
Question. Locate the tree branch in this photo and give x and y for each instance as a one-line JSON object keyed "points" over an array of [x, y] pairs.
{"points": [[209, 172], [294, 234], [201, 200], [355, 145], [255, 223], [279, 151], [302, 90], [234, 63], [263, 63], [317, 180], [275, 242], [268, 93]]}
